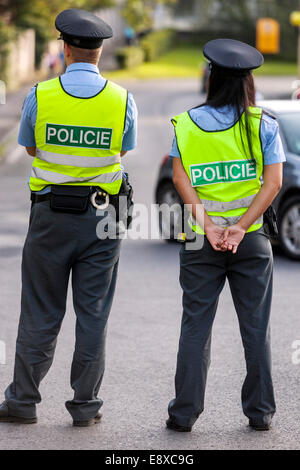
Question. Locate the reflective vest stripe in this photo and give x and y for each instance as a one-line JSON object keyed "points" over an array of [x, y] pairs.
{"points": [[58, 178], [227, 221], [223, 222], [79, 161], [219, 206]]}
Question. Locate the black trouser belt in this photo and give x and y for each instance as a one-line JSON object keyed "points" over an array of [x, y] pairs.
{"points": [[35, 197]]}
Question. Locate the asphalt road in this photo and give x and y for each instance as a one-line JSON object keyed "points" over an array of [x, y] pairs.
{"points": [[144, 326]]}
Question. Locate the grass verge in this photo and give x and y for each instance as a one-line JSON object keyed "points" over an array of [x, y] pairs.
{"points": [[187, 62]]}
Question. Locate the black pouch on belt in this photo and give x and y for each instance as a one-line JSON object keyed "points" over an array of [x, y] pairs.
{"points": [[123, 203], [71, 199], [127, 191], [270, 222]]}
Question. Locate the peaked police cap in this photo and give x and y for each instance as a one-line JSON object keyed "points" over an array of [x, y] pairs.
{"points": [[81, 28], [232, 54]]}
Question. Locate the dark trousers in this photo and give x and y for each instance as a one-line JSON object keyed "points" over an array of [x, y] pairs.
{"points": [[58, 245], [202, 277]]}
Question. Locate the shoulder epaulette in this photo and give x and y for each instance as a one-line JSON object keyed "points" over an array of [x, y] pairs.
{"points": [[267, 113]]}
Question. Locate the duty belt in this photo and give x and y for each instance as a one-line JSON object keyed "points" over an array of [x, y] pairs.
{"points": [[98, 198], [76, 199]]}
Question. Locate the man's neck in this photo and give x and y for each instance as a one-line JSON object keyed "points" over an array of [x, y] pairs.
{"points": [[71, 62]]}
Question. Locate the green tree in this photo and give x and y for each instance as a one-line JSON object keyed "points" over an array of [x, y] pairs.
{"points": [[40, 15], [139, 13]]}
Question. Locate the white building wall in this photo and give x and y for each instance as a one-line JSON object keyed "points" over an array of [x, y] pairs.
{"points": [[21, 59]]}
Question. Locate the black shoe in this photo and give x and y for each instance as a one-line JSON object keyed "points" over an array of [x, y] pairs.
{"points": [[259, 427], [6, 417], [88, 422], [175, 427]]}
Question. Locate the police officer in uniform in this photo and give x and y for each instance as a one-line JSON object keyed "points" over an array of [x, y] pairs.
{"points": [[226, 147], [77, 127]]}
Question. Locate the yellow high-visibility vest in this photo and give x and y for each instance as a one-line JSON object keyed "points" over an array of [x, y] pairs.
{"points": [[78, 140], [220, 167]]}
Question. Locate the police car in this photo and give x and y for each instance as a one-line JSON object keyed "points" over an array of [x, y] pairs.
{"points": [[287, 203]]}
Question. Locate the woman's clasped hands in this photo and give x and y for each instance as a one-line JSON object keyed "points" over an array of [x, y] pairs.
{"points": [[225, 239]]}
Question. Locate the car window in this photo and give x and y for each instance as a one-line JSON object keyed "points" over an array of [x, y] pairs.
{"points": [[290, 127]]}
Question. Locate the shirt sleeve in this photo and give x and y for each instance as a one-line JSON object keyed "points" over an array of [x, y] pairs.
{"points": [[175, 150], [130, 131], [26, 136], [271, 141]]}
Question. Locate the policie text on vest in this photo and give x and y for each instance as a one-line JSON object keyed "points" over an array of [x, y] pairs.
{"points": [[223, 172], [78, 136]]}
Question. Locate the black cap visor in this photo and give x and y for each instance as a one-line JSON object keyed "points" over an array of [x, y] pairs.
{"points": [[83, 43]]}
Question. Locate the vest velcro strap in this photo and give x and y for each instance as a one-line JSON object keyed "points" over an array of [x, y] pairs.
{"points": [[223, 206], [77, 161]]}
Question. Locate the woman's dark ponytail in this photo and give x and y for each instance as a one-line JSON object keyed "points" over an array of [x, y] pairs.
{"points": [[236, 89]]}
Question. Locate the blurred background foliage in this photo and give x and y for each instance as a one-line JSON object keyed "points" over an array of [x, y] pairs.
{"points": [[177, 51], [39, 15], [139, 13], [172, 50], [237, 19]]}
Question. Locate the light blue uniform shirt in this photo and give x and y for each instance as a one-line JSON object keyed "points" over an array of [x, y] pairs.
{"points": [[82, 80], [212, 119]]}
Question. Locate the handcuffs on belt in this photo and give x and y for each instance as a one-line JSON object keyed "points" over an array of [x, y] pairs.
{"points": [[124, 209], [104, 196]]}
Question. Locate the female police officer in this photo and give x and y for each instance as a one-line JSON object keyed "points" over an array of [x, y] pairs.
{"points": [[226, 147]]}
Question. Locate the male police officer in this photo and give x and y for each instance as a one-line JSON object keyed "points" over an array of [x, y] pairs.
{"points": [[77, 126]]}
